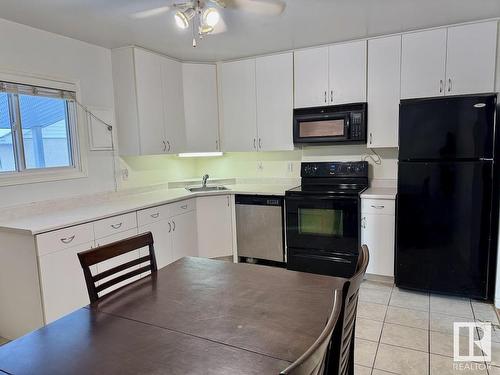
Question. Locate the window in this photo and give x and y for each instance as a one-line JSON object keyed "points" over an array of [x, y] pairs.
{"points": [[37, 129]]}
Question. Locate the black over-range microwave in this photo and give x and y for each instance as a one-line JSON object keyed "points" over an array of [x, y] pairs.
{"points": [[333, 124]]}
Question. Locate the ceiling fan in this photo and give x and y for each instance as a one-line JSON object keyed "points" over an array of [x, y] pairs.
{"points": [[204, 17]]}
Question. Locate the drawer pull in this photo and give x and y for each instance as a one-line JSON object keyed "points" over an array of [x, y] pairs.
{"points": [[184, 207], [116, 226], [154, 216], [377, 207], [68, 239]]}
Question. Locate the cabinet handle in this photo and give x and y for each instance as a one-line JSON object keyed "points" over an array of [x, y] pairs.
{"points": [[67, 240], [331, 96], [371, 138], [184, 207], [116, 226], [326, 97], [169, 227], [260, 143], [377, 207], [440, 85], [449, 84], [228, 202], [168, 143], [216, 145], [363, 223], [154, 216], [254, 146], [173, 229]]}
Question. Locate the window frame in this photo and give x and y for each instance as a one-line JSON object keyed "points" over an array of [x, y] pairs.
{"points": [[77, 135]]}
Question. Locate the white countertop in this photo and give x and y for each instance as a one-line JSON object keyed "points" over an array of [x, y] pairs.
{"points": [[380, 193], [120, 203]]}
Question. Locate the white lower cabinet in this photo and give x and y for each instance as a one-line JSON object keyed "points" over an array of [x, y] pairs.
{"points": [[215, 233], [377, 232], [162, 241], [184, 235], [63, 285]]}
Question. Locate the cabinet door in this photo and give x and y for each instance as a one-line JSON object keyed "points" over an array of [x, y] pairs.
{"points": [[239, 112], [384, 79], [149, 102], [184, 235], [311, 77], [347, 73], [423, 64], [121, 259], [173, 106], [275, 102], [63, 284], [162, 237], [377, 232], [215, 233], [201, 107], [471, 58]]}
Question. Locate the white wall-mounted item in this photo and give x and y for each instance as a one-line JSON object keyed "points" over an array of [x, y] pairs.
{"points": [[384, 78], [449, 61], [100, 137], [330, 75], [201, 107], [257, 103]]}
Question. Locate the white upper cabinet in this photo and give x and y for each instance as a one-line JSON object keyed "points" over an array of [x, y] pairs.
{"points": [[274, 75], [423, 64], [347, 73], [173, 105], [384, 69], [471, 57], [311, 77], [149, 102], [239, 114], [201, 107]]}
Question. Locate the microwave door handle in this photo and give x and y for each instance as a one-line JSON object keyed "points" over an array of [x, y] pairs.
{"points": [[347, 127]]}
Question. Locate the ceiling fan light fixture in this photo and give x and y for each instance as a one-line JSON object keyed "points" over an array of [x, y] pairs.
{"points": [[211, 17], [182, 18]]}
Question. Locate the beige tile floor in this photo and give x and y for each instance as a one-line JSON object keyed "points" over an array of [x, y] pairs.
{"points": [[409, 333]]}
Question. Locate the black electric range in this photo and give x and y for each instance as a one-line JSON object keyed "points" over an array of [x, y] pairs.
{"points": [[323, 218]]}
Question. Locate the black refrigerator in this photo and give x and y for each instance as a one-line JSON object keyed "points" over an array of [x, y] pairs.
{"points": [[447, 201]]}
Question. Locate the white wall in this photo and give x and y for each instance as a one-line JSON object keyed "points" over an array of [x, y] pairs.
{"points": [[27, 50]]}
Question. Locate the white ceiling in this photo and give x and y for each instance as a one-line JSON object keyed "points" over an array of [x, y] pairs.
{"points": [[304, 23]]}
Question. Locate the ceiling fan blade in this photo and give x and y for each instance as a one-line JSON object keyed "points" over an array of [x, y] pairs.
{"points": [[150, 12], [260, 7]]}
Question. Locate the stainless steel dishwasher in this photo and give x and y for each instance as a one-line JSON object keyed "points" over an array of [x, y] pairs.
{"points": [[259, 227]]}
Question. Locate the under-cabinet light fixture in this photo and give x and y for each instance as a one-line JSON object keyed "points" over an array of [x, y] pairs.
{"points": [[199, 154]]}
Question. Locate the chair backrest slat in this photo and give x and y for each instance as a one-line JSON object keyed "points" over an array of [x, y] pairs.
{"points": [[341, 359], [312, 362], [102, 253]]}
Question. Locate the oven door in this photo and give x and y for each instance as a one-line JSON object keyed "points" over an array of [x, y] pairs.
{"points": [[323, 223], [321, 127]]}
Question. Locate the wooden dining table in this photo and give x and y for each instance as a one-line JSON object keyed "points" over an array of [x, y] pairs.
{"points": [[194, 316]]}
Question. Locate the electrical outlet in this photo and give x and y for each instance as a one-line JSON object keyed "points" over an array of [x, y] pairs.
{"points": [[124, 174], [260, 167]]}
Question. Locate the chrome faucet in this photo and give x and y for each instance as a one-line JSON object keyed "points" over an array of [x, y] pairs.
{"points": [[204, 180]]}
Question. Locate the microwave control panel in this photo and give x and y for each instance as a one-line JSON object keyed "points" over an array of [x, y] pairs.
{"points": [[357, 129]]}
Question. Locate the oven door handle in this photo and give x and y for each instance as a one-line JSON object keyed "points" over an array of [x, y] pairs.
{"points": [[318, 198], [321, 257]]}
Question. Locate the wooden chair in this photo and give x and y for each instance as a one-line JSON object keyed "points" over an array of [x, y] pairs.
{"points": [[313, 361], [100, 254], [341, 358]]}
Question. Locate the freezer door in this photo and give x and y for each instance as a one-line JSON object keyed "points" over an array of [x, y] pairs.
{"points": [[443, 227], [459, 127]]}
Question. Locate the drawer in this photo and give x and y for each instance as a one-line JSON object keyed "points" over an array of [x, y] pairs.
{"points": [[378, 206], [181, 207], [153, 214], [115, 224], [64, 238]]}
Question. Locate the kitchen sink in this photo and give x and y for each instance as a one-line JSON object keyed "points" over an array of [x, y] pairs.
{"points": [[195, 189]]}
